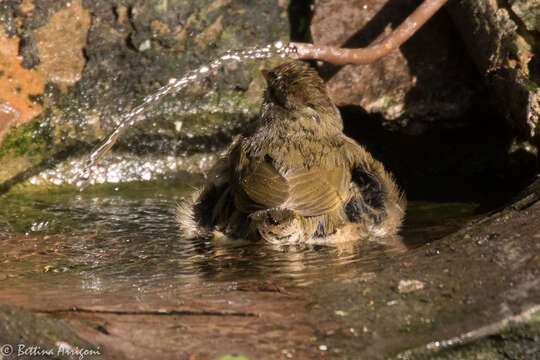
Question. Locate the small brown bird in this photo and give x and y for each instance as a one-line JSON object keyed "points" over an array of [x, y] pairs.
{"points": [[295, 177]]}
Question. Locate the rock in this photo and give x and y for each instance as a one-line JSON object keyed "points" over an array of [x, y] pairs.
{"points": [[85, 63], [428, 79], [407, 286], [17, 84], [60, 43], [527, 11], [516, 337], [503, 39], [40, 336]]}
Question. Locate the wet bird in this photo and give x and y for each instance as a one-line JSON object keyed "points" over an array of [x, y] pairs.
{"points": [[295, 177]]}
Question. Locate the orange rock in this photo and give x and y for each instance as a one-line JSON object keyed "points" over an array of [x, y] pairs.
{"points": [[60, 45], [27, 6], [16, 84]]}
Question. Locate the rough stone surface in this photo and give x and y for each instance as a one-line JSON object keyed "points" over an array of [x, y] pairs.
{"points": [[29, 335], [503, 42], [60, 45], [88, 62], [16, 84], [528, 12], [133, 47], [428, 79]]}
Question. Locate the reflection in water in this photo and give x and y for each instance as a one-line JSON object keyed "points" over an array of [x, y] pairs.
{"points": [[119, 240]]}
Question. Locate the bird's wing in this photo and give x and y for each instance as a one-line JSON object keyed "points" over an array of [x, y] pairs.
{"points": [[264, 186], [316, 191], [258, 184], [309, 192]]}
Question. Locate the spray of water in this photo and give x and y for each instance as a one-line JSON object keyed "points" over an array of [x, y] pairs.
{"points": [[277, 49]]}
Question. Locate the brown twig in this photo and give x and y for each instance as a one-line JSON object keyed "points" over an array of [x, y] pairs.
{"points": [[340, 56]]}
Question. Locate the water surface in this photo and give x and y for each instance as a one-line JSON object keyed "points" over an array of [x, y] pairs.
{"points": [[110, 238]]}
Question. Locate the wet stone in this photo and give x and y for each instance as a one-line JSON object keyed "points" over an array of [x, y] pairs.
{"points": [[409, 88], [129, 53]]}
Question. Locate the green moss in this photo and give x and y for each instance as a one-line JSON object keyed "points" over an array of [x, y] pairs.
{"points": [[417, 327], [232, 99], [33, 139], [203, 15], [380, 302], [207, 123], [161, 6], [229, 37]]}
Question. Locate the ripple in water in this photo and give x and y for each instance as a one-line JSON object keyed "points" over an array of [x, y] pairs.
{"points": [[127, 238]]}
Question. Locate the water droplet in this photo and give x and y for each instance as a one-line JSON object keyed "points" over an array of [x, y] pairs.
{"points": [[278, 49]]}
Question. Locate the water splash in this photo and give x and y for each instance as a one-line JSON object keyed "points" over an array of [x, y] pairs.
{"points": [[277, 49]]}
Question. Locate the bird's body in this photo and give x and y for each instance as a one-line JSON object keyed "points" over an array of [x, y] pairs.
{"points": [[296, 177]]}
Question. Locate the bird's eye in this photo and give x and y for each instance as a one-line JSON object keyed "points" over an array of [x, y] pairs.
{"points": [[311, 105]]}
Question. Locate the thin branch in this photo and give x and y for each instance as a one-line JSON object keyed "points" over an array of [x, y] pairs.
{"points": [[340, 56]]}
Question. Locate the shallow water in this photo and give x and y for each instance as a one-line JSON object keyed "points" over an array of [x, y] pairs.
{"points": [[108, 238], [109, 262]]}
